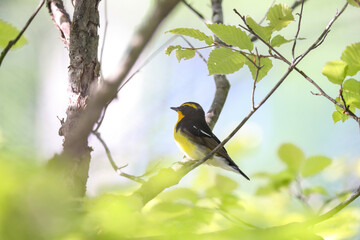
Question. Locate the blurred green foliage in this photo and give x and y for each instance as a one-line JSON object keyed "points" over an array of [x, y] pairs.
{"points": [[34, 204], [8, 33]]}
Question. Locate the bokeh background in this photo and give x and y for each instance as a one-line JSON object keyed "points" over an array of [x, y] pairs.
{"points": [[138, 126]]}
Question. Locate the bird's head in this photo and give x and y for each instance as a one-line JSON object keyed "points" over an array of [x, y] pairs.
{"points": [[189, 109]]}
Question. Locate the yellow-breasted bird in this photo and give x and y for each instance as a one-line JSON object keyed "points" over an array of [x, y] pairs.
{"points": [[195, 138]]}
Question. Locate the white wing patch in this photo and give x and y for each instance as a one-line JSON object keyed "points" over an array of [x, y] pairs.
{"points": [[203, 132]]}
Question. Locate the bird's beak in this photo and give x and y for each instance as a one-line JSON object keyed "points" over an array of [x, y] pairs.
{"points": [[175, 108]]}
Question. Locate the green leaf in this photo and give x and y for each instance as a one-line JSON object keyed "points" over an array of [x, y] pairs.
{"points": [[315, 190], [292, 156], [194, 33], [337, 116], [266, 64], [224, 61], [185, 54], [351, 55], [340, 114], [263, 32], [355, 3], [232, 35], [335, 71], [169, 49], [279, 40], [280, 15], [8, 33], [314, 165], [351, 93]]}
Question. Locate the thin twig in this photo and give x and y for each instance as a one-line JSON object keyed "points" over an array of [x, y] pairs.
{"points": [[329, 200], [264, 17], [258, 67], [101, 118], [112, 162], [301, 195], [14, 41], [319, 40], [198, 53], [335, 210], [246, 118], [298, 30], [156, 52], [236, 50], [197, 13], [297, 3]]}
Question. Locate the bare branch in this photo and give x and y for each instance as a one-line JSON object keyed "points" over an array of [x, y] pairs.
{"points": [[197, 13], [298, 30], [192, 47], [148, 59], [61, 19], [14, 41], [112, 162], [258, 67]]}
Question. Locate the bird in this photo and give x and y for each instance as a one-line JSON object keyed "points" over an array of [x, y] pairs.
{"points": [[195, 139]]}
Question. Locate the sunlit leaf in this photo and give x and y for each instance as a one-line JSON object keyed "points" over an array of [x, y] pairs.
{"points": [[280, 15], [263, 32], [231, 35], [314, 165], [355, 3], [185, 54], [169, 49], [292, 156], [340, 113], [338, 116], [351, 92], [265, 64], [351, 55], [279, 40], [194, 33], [224, 61], [8, 33], [335, 71]]}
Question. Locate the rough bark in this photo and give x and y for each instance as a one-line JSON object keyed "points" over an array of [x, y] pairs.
{"points": [[83, 72]]}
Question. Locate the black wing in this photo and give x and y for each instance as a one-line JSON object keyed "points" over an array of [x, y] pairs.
{"points": [[201, 133]]}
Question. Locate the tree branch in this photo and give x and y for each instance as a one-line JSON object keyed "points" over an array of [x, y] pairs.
{"points": [[319, 41], [298, 30], [61, 19], [221, 82], [112, 162], [108, 89], [197, 13], [14, 41]]}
